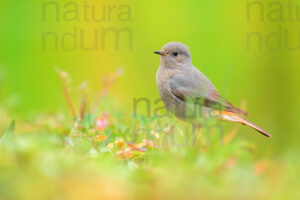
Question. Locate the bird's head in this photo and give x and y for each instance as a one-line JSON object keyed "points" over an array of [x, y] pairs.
{"points": [[174, 54]]}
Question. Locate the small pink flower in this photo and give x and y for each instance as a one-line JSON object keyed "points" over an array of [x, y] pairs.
{"points": [[102, 123]]}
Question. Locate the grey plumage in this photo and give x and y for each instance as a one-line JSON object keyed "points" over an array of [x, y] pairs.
{"points": [[188, 93]]}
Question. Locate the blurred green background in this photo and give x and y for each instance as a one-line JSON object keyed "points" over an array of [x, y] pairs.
{"points": [[216, 32], [249, 49]]}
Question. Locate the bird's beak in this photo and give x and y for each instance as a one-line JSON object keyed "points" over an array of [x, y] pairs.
{"points": [[160, 53]]}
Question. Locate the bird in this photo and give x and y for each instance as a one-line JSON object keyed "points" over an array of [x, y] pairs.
{"points": [[188, 94]]}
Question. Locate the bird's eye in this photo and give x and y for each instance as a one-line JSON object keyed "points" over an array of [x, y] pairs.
{"points": [[175, 54]]}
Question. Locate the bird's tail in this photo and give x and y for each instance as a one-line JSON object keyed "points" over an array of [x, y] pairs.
{"points": [[233, 117]]}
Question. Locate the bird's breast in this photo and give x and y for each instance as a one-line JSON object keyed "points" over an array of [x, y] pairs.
{"points": [[171, 103]]}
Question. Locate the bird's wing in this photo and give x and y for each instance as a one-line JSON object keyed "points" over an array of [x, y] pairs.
{"points": [[197, 88]]}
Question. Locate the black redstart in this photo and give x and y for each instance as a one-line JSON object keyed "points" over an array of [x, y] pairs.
{"points": [[188, 93]]}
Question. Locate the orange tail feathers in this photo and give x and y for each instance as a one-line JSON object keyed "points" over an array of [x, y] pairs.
{"points": [[233, 117]]}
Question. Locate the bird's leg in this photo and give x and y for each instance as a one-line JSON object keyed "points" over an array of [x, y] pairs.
{"points": [[195, 133]]}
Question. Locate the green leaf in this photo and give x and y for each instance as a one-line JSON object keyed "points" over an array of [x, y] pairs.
{"points": [[9, 131]]}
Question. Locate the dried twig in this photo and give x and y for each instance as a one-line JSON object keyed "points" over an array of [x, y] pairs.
{"points": [[63, 76], [107, 82], [83, 106]]}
